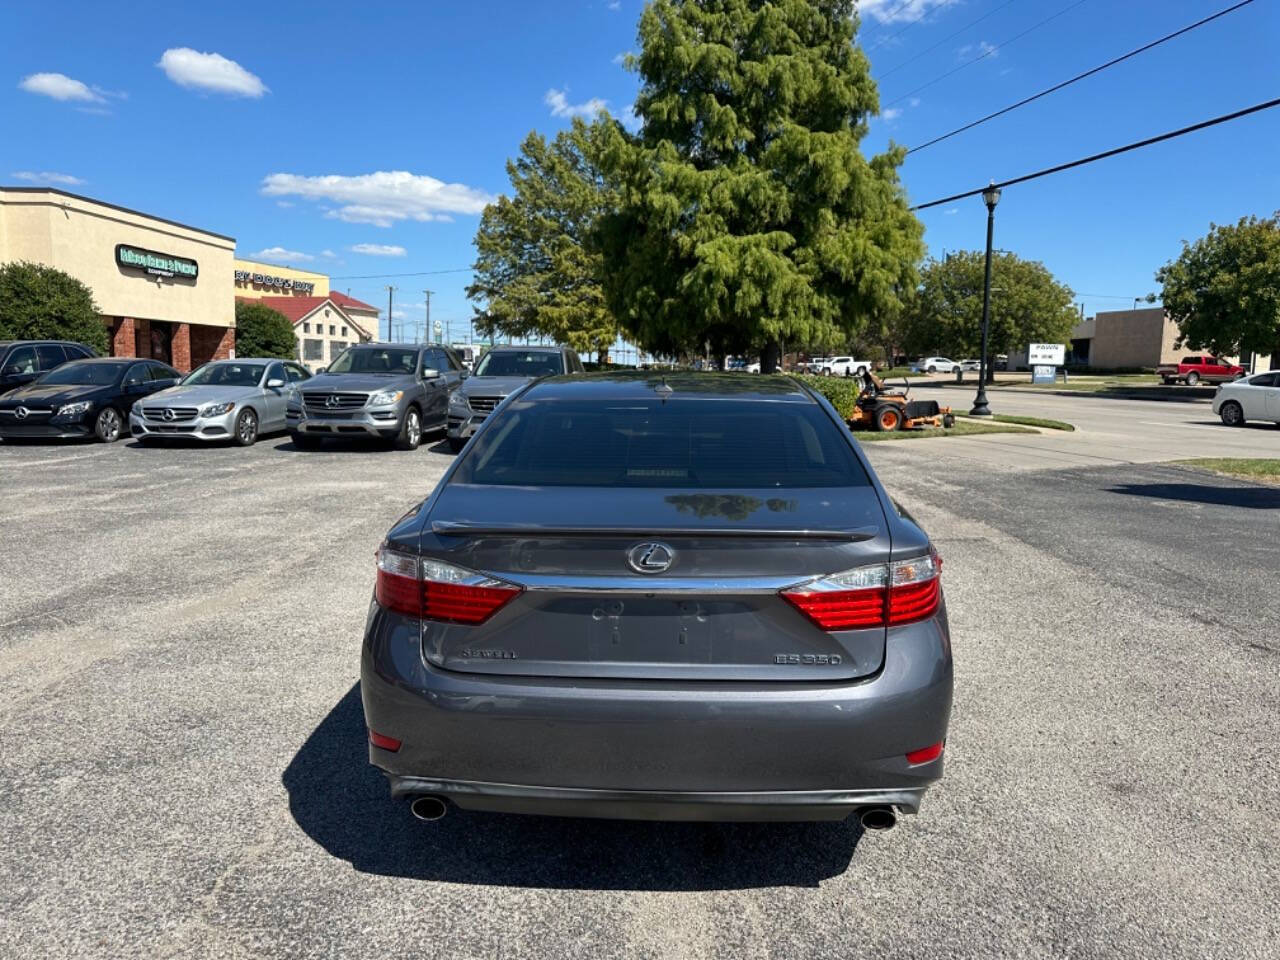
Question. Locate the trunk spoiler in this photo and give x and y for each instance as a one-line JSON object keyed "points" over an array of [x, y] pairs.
{"points": [[454, 528]]}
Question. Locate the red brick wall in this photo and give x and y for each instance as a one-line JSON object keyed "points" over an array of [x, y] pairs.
{"points": [[180, 347], [123, 338], [210, 343]]}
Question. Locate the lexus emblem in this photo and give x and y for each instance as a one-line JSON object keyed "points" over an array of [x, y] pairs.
{"points": [[651, 558], [168, 413], [331, 401], [21, 413]]}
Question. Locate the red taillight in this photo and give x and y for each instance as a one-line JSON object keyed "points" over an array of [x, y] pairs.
{"points": [[841, 609], [457, 603], [875, 596], [925, 754], [432, 590], [384, 743]]}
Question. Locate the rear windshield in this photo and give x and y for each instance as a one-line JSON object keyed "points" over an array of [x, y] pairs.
{"points": [[519, 363], [646, 443]]}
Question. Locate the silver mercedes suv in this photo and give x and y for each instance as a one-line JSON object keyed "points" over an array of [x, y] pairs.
{"points": [[679, 597]]}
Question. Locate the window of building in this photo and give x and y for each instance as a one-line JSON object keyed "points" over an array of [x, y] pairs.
{"points": [[335, 349], [312, 349], [331, 330], [344, 331], [306, 327]]}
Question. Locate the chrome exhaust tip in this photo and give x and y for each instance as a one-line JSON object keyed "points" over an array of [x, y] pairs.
{"points": [[877, 818], [428, 808]]}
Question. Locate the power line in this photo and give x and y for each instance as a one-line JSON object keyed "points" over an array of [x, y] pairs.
{"points": [[1256, 108], [989, 52], [1081, 76], [391, 276], [946, 39]]}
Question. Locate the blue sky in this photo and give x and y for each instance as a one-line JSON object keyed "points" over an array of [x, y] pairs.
{"points": [[360, 140]]}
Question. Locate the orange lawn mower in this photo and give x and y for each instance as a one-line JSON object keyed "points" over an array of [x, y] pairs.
{"points": [[882, 408]]}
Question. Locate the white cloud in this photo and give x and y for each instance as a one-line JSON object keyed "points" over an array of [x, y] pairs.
{"points": [[209, 71], [284, 204], [913, 102], [979, 50], [60, 87], [383, 197], [900, 11], [48, 176], [281, 255], [615, 4], [328, 254], [951, 211], [621, 58], [893, 113], [558, 101], [379, 249]]}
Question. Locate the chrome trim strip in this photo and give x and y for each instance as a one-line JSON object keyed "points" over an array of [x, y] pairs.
{"points": [[648, 585], [460, 528]]}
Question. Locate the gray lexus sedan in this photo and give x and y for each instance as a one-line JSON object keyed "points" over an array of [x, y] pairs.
{"points": [[680, 597]]}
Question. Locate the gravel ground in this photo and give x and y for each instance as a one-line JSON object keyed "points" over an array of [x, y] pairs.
{"points": [[182, 760]]}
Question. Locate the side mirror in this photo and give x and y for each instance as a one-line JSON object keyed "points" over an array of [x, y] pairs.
{"points": [[464, 373], [430, 373], [275, 383]]}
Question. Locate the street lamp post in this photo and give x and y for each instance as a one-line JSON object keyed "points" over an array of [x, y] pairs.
{"points": [[990, 196]]}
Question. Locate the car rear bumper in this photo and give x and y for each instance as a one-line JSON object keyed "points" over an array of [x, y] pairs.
{"points": [[658, 749]]}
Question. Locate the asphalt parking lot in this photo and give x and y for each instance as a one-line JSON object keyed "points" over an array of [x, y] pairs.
{"points": [[183, 767]]}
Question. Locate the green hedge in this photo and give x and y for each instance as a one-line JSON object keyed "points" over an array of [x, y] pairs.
{"points": [[841, 391]]}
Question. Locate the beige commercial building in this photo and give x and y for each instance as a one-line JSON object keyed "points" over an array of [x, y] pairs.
{"points": [[164, 288], [1138, 340]]}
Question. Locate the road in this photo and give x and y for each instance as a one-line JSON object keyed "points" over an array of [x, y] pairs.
{"points": [[183, 769]]}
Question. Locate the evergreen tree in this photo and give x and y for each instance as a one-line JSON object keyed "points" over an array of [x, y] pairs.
{"points": [[747, 214], [538, 272], [263, 332], [43, 303]]}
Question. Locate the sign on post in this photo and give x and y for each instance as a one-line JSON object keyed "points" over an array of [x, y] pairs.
{"points": [[1046, 355]]}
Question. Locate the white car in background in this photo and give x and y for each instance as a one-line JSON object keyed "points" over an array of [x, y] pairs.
{"points": [[935, 365], [844, 367], [971, 366], [1253, 398]]}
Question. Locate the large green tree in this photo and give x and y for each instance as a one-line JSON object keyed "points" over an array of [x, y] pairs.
{"points": [[1027, 306], [747, 212], [38, 302], [263, 332], [538, 271], [1223, 291]]}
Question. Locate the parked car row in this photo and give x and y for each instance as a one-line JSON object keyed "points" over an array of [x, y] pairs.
{"points": [[393, 392]]}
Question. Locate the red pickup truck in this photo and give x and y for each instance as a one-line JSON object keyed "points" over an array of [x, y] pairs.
{"points": [[1193, 370]]}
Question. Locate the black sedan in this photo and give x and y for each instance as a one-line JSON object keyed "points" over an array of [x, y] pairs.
{"points": [[87, 398]]}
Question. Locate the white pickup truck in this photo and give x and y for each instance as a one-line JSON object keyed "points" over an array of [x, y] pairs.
{"points": [[844, 367]]}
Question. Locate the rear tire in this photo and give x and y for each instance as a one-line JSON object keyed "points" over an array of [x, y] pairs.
{"points": [[410, 431], [932, 369], [1168, 381], [107, 426], [948, 420], [888, 418], [1193, 378], [246, 429], [1232, 414]]}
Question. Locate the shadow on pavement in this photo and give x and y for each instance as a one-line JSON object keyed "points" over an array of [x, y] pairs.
{"points": [[1253, 498], [343, 804]]}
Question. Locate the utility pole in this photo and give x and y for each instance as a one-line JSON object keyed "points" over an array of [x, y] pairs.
{"points": [[426, 331], [391, 335]]}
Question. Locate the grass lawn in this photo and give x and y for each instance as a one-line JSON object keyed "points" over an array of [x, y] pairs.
{"points": [[963, 428], [1264, 471], [1024, 421], [1092, 384]]}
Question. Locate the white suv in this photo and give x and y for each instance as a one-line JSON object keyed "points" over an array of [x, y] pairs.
{"points": [[935, 365], [844, 367]]}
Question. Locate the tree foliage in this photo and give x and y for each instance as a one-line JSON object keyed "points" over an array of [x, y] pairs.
{"points": [[747, 213], [38, 302], [1223, 291], [1027, 306], [538, 272], [263, 332]]}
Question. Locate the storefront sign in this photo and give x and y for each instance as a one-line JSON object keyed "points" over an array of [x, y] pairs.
{"points": [[1046, 354], [156, 264], [266, 280]]}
